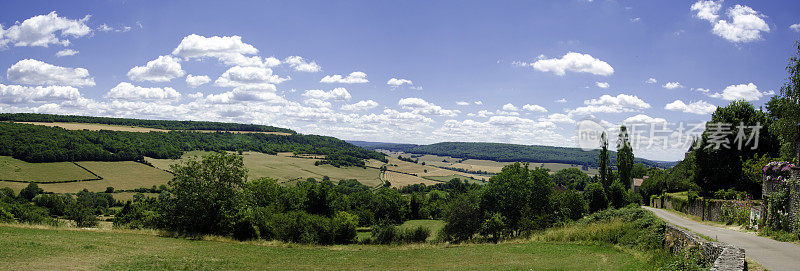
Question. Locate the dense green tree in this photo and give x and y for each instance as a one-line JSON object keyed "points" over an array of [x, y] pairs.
{"points": [[519, 194], [463, 217], [784, 109], [573, 204], [30, 191], [204, 195], [596, 198], [603, 162], [571, 178], [617, 194], [624, 157]]}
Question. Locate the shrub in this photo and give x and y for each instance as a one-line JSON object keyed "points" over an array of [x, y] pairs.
{"points": [[344, 228], [417, 234], [596, 197], [55, 204], [573, 204], [109, 190], [494, 227], [384, 233], [29, 214], [629, 226], [30, 191], [463, 218], [82, 215], [617, 194], [5, 216]]}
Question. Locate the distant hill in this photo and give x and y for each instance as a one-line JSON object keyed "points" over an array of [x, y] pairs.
{"points": [[502, 152]]}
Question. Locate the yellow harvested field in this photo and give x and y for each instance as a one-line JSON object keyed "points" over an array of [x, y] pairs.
{"points": [[120, 175], [399, 179], [18, 170], [285, 168], [477, 164], [97, 127], [424, 170]]}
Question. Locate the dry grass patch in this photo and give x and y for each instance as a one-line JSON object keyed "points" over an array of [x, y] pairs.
{"points": [[18, 170]]}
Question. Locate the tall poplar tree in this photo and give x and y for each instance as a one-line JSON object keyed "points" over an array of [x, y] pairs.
{"points": [[605, 171], [624, 157]]}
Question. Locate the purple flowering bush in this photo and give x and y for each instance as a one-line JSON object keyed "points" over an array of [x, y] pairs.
{"points": [[777, 172]]}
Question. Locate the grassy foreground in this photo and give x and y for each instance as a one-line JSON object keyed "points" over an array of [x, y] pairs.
{"points": [[27, 248]]}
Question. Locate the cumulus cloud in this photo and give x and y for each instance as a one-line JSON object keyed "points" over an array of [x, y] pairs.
{"points": [[35, 72], [128, 91], [336, 94], [602, 84], [562, 100], [534, 108], [557, 118], [478, 102], [698, 107], [462, 103], [41, 31], [510, 107], [422, 107], [271, 61], [672, 85], [395, 82], [744, 24], [574, 62], [300, 64], [611, 104], [747, 92], [651, 80], [642, 118], [795, 27], [16, 94], [249, 76], [360, 106], [161, 69], [230, 51], [66, 52], [353, 78], [245, 94], [197, 80]]}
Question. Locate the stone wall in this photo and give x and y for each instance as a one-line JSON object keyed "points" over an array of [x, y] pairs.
{"points": [[794, 195], [717, 255], [707, 210]]}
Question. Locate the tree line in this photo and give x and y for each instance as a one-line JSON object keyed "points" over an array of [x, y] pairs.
{"points": [[156, 124], [37, 143]]}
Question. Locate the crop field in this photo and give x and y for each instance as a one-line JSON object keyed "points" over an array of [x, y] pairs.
{"points": [[450, 177], [285, 168], [17, 170], [30, 248], [97, 127], [482, 165], [120, 175]]}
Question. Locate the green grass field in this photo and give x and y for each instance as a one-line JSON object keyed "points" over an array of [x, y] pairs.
{"points": [[17, 170], [286, 168], [450, 177], [27, 248], [120, 175]]}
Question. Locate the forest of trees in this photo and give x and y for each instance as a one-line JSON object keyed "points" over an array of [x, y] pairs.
{"points": [[37, 143], [502, 152], [157, 124]]}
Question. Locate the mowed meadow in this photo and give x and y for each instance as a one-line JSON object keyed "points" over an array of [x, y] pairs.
{"points": [[42, 248]]}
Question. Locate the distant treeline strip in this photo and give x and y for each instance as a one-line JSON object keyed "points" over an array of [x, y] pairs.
{"points": [[156, 124], [502, 152], [37, 143]]}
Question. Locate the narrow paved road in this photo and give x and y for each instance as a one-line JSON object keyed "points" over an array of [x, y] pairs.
{"points": [[773, 255]]}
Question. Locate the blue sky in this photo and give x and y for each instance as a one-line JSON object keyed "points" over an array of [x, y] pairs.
{"points": [[457, 64]]}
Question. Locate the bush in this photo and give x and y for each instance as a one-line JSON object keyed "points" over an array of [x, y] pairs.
{"points": [[55, 204], [573, 204], [82, 215], [617, 194], [417, 234], [630, 226], [29, 214], [384, 233], [494, 227], [30, 191], [344, 228], [463, 218], [5, 216], [596, 197], [109, 190]]}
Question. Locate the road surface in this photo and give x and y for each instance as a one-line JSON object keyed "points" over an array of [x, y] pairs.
{"points": [[773, 255]]}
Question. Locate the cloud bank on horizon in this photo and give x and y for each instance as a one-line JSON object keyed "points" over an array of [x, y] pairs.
{"points": [[334, 85]]}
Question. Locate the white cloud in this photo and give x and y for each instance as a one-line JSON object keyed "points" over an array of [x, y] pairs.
{"points": [[672, 85], [745, 25], [422, 107], [704, 90], [301, 65], [510, 107], [35, 72], [557, 118], [41, 31], [574, 62], [353, 78], [197, 80], [635, 20], [271, 61], [245, 94], [360, 106], [395, 82], [127, 91], [747, 92], [602, 84], [317, 103], [230, 51], [66, 52], [642, 118], [105, 28], [611, 104], [651, 80], [462, 103], [534, 108], [795, 27], [161, 69], [16, 94], [699, 107], [478, 102], [237, 76], [562, 100], [336, 94]]}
